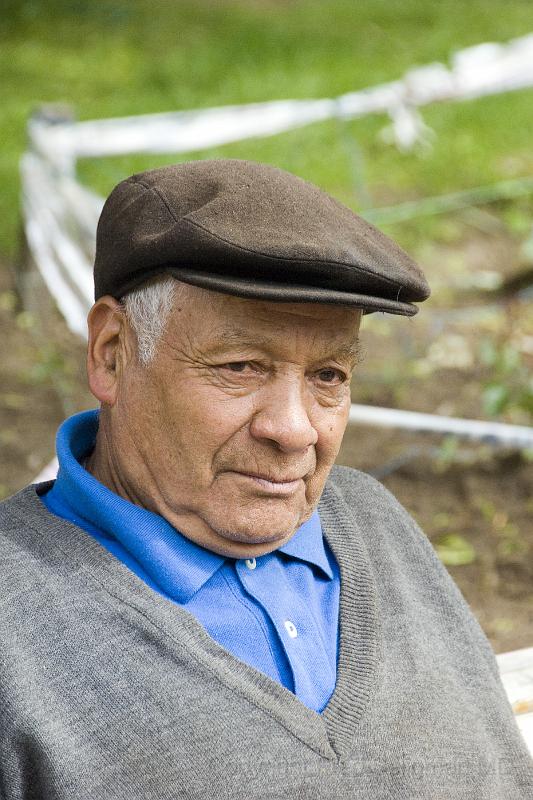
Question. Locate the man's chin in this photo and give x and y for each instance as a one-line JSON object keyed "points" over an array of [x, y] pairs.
{"points": [[232, 548], [257, 537], [235, 527]]}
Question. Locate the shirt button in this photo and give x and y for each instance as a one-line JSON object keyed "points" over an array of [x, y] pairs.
{"points": [[291, 629], [251, 563]]}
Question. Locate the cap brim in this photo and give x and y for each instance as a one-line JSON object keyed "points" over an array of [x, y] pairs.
{"points": [[289, 293]]}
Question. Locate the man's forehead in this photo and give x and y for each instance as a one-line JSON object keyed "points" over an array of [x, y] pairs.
{"points": [[344, 342], [239, 312], [218, 322]]}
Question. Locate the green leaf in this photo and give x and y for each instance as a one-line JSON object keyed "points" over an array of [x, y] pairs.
{"points": [[454, 550], [510, 358], [495, 398]]}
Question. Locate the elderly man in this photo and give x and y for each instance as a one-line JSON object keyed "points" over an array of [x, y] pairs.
{"points": [[202, 605]]}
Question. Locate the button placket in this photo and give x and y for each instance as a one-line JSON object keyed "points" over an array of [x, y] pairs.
{"points": [[289, 620], [294, 622]]}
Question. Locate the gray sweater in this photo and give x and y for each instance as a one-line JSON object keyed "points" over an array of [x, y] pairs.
{"points": [[108, 691]]}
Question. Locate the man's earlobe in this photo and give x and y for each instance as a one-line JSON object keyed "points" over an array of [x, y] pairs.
{"points": [[105, 327]]}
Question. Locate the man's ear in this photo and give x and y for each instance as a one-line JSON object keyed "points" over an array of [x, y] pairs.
{"points": [[106, 325]]}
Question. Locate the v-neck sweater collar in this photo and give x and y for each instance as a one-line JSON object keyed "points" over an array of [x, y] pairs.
{"points": [[329, 733]]}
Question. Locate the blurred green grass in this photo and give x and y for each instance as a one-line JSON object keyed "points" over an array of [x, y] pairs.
{"points": [[120, 57]]}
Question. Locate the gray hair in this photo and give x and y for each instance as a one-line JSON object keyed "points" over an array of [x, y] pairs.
{"points": [[147, 309]]}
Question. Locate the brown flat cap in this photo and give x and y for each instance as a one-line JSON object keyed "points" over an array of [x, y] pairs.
{"points": [[251, 230]]}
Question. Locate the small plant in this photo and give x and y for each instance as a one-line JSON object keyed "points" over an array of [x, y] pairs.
{"points": [[509, 389], [446, 453]]}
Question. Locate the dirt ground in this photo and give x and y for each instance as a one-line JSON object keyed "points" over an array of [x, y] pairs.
{"points": [[475, 503]]}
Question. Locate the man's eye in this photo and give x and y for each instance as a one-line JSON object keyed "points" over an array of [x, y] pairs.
{"points": [[331, 376], [236, 366]]}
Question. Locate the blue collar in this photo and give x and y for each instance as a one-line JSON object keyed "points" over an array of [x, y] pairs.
{"points": [[178, 565]]}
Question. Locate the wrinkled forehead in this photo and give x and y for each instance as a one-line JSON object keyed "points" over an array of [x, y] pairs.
{"points": [[205, 316], [232, 311]]}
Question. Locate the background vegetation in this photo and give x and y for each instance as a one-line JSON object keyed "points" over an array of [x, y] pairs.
{"points": [[122, 57]]}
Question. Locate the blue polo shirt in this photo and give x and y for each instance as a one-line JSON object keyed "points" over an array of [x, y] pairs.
{"points": [[277, 612]]}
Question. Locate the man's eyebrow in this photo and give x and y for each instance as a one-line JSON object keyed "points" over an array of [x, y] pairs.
{"points": [[351, 352], [240, 337]]}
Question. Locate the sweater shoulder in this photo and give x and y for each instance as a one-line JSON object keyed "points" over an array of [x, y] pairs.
{"points": [[394, 538], [350, 478], [20, 512], [13, 522], [381, 519], [28, 555], [22, 501], [366, 494]]}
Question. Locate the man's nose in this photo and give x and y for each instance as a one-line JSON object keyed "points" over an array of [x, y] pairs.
{"points": [[283, 416]]}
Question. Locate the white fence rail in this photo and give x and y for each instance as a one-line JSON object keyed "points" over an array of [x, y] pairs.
{"points": [[475, 72]]}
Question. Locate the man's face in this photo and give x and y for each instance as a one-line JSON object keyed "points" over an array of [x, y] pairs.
{"points": [[231, 431]]}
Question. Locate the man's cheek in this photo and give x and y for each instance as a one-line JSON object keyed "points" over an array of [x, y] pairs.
{"points": [[330, 439]]}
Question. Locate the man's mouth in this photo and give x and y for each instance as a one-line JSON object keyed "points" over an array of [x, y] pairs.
{"points": [[280, 485]]}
